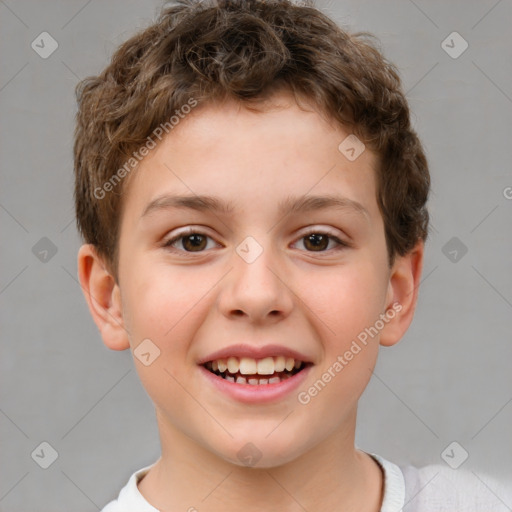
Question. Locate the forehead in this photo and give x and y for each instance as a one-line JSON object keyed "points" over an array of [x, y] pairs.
{"points": [[248, 158]]}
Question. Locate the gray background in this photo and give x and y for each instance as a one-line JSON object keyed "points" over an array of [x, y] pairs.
{"points": [[448, 380]]}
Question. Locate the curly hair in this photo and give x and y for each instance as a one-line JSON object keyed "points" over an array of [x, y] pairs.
{"points": [[244, 50]]}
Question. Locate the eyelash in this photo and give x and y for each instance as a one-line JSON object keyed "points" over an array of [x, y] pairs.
{"points": [[168, 244]]}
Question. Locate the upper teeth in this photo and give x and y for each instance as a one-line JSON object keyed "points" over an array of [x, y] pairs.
{"points": [[249, 366]]}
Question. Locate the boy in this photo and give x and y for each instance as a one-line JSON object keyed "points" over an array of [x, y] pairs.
{"points": [[253, 202]]}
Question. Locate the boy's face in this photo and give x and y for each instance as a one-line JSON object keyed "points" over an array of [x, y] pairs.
{"points": [[253, 279]]}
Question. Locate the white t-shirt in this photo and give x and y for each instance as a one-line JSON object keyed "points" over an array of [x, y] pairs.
{"points": [[432, 488]]}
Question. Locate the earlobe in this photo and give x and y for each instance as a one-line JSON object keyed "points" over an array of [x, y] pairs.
{"points": [[103, 298], [402, 294]]}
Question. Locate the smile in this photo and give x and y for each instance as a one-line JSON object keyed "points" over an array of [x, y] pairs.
{"points": [[255, 372]]}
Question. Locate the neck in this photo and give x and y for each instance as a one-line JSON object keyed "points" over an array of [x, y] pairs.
{"points": [[331, 476]]}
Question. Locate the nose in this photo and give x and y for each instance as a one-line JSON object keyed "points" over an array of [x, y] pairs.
{"points": [[257, 290]]}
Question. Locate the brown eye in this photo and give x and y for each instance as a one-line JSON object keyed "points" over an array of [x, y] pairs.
{"points": [[194, 242], [316, 241], [189, 242]]}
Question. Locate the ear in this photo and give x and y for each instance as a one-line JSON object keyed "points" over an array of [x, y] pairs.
{"points": [[103, 297], [402, 294]]}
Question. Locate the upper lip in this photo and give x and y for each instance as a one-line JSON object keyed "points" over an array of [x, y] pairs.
{"points": [[254, 352]]}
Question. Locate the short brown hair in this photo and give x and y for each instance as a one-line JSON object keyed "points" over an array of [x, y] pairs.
{"points": [[244, 50]]}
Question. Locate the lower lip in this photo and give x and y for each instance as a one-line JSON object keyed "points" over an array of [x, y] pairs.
{"points": [[258, 393]]}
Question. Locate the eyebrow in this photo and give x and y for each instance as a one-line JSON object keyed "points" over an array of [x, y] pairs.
{"points": [[291, 204]]}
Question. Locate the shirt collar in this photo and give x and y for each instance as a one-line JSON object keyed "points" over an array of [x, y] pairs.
{"points": [[392, 501], [394, 485]]}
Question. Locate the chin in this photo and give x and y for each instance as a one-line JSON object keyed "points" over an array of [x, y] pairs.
{"points": [[259, 452]]}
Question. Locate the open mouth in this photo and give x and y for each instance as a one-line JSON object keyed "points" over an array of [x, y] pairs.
{"points": [[256, 372]]}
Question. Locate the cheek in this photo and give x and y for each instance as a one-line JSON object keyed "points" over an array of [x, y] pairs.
{"points": [[345, 301], [164, 304]]}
